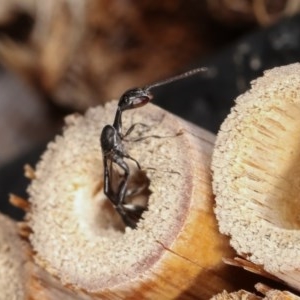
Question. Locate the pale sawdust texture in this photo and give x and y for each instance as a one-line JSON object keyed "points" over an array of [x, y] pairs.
{"points": [[12, 260], [239, 295], [256, 173], [271, 294], [68, 227]]}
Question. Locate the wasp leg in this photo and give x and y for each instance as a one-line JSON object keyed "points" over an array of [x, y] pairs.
{"points": [[119, 203], [131, 128], [130, 214], [108, 191], [137, 163]]}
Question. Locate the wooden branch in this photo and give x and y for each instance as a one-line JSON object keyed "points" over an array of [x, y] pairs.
{"points": [[78, 238], [256, 174]]}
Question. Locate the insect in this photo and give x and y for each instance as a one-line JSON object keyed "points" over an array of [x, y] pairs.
{"points": [[113, 150]]}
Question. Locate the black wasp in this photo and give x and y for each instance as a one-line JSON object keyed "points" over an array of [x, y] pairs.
{"points": [[113, 150]]}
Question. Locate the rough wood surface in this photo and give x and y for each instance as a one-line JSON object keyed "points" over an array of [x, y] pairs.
{"points": [[239, 295], [20, 277], [269, 294], [256, 174], [12, 260], [176, 251]]}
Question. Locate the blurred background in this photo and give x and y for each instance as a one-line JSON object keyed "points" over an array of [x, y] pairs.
{"points": [[63, 56]]}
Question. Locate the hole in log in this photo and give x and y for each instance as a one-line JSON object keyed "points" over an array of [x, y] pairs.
{"points": [[138, 193]]}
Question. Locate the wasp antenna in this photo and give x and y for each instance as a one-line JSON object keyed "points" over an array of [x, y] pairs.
{"points": [[175, 78]]}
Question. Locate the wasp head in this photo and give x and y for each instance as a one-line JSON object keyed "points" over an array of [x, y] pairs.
{"points": [[134, 98]]}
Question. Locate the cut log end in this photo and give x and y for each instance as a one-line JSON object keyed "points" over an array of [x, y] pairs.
{"points": [[267, 292], [12, 260], [78, 237], [256, 174], [239, 295]]}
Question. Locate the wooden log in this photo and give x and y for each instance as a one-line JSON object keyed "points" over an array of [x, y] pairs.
{"points": [[269, 294], [274, 294], [256, 175], [239, 295], [20, 277], [176, 250], [12, 260]]}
